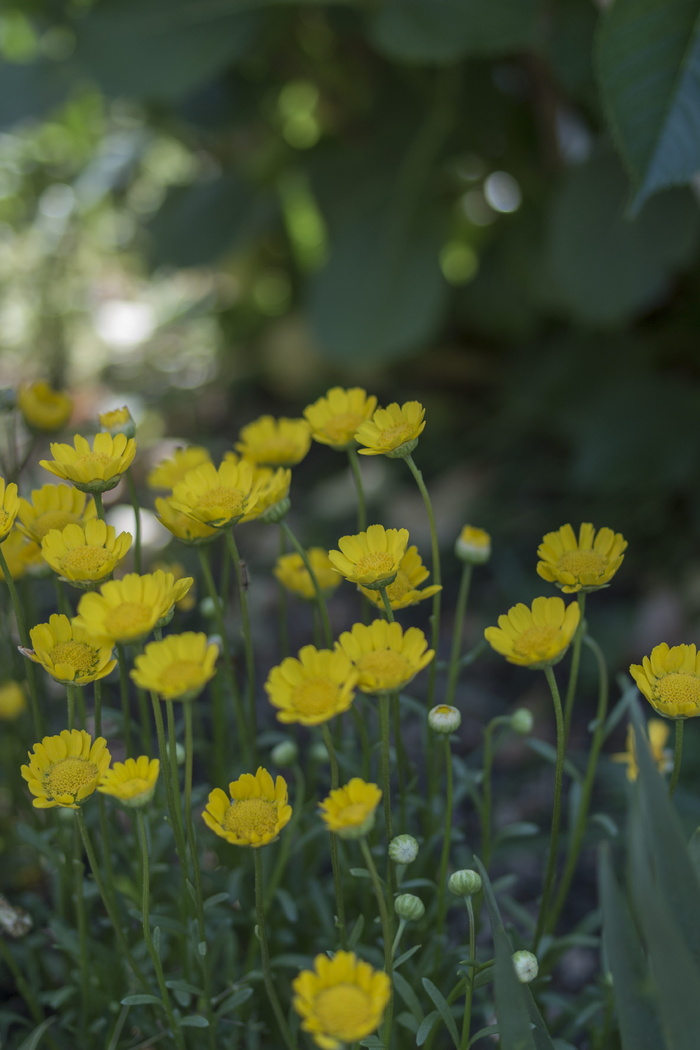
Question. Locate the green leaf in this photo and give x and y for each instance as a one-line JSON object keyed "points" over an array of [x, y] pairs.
{"points": [[34, 1038], [491, 1029], [649, 70], [240, 996], [408, 995], [443, 1009], [520, 830], [426, 1027], [140, 999], [405, 956], [288, 904], [193, 1021], [216, 898], [356, 931]]}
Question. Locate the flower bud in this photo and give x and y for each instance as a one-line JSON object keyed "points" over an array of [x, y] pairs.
{"points": [[465, 883], [274, 514], [521, 721], [473, 545], [408, 906], [319, 752], [118, 421], [207, 607], [403, 849], [526, 966], [179, 753], [285, 753], [444, 719]]}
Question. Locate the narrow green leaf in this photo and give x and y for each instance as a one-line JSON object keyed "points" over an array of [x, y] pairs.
{"points": [[288, 904], [240, 996], [408, 995], [194, 1021], [520, 830], [34, 1038], [405, 956], [443, 1009], [140, 999], [216, 898], [491, 1029], [426, 1027], [356, 931]]}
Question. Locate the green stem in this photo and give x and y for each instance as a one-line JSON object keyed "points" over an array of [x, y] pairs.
{"points": [[467, 1019], [575, 662], [247, 639], [124, 696], [447, 835], [320, 598], [335, 860], [397, 938], [364, 740], [99, 505], [385, 731], [556, 811], [289, 837], [454, 667], [169, 785], [282, 604], [437, 577], [354, 461], [26, 643], [388, 611], [70, 701], [487, 789], [81, 920], [290, 1042], [175, 777], [387, 930], [677, 756], [24, 987], [133, 495], [97, 686]]}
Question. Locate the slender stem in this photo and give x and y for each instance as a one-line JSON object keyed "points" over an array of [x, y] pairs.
{"points": [[283, 603], [133, 495], [81, 919], [354, 461], [575, 662], [290, 1042], [320, 598], [247, 639], [364, 739], [289, 837], [175, 776], [487, 789], [447, 834], [454, 667], [556, 811], [70, 701], [24, 987], [467, 1019], [387, 930], [124, 695], [437, 577], [388, 611], [335, 860], [169, 790], [25, 640], [677, 756], [99, 505], [97, 686], [385, 731], [397, 938]]}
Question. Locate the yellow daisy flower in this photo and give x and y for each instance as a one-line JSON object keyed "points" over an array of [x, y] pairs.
{"points": [[313, 688], [293, 574], [404, 590], [473, 545], [349, 810], [178, 571], [9, 506], [132, 782], [255, 813], [20, 554], [386, 657], [169, 471], [273, 495], [182, 526], [341, 1000], [127, 610], [393, 431], [178, 667], [85, 555], [583, 564], [335, 418], [536, 637], [42, 407], [371, 558], [64, 770], [658, 731], [118, 421], [670, 680], [95, 469], [68, 653], [218, 498], [12, 701], [53, 507], [274, 442]]}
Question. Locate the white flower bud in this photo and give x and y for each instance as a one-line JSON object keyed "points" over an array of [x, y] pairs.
{"points": [[521, 721], [207, 608], [473, 545], [408, 906], [465, 883], [403, 849], [444, 719], [526, 966]]}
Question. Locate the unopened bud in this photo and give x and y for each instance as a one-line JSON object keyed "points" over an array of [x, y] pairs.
{"points": [[319, 752], [403, 849], [444, 719], [473, 545], [526, 966], [521, 721], [408, 906], [285, 753], [465, 883], [207, 607]]}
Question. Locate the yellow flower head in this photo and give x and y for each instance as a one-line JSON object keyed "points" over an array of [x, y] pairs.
{"points": [[178, 572], [218, 498], [386, 657], [68, 653], [473, 545], [178, 667], [118, 421], [341, 1000], [293, 574], [64, 770], [536, 637], [42, 407], [275, 442], [393, 431], [182, 526], [670, 680], [132, 782], [659, 732], [53, 507], [371, 558], [255, 813], [583, 564], [273, 495], [173, 469], [349, 810], [95, 469], [404, 591], [9, 506], [335, 418], [127, 610], [12, 701], [87, 554], [312, 689], [20, 554]]}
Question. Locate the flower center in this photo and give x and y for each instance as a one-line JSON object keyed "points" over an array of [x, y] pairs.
{"points": [[344, 1011], [392, 437], [679, 689], [251, 816], [355, 813], [583, 563], [129, 620], [4, 518], [378, 562], [53, 519], [69, 775], [314, 696], [538, 642], [341, 428], [93, 463], [87, 563], [386, 667], [182, 674], [78, 655], [400, 587], [229, 501]]}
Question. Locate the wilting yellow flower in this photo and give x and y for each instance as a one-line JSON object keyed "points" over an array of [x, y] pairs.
{"points": [[64, 770], [312, 689], [536, 637], [95, 469], [218, 498], [20, 554], [670, 680], [127, 610], [336, 417], [404, 590], [12, 701], [85, 554], [349, 810], [341, 1000], [275, 442], [473, 545], [371, 558], [178, 571], [42, 407], [386, 657], [169, 471], [393, 431], [273, 495], [118, 421], [182, 526], [9, 506], [178, 667], [582, 564], [293, 574], [659, 732], [132, 782], [255, 813], [68, 653], [54, 507]]}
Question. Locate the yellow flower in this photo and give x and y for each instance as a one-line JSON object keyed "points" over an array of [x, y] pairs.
{"points": [[473, 545], [64, 770], [583, 564], [341, 1000], [275, 442], [127, 610], [393, 431], [118, 421], [659, 732], [54, 507], [371, 558], [178, 571], [404, 590], [85, 555], [20, 554], [670, 680], [349, 810], [9, 506], [178, 667], [293, 574], [536, 637], [255, 813], [182, 526], [42, 407], [95, 469], [273, 495], [335, 418], [386, 657], [169, 471], [132, 782], [312, 689], [218, 498], [12, 701], [68, 653]]}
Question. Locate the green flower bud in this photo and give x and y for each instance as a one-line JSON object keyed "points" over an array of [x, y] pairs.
{"points": [[521, 721], [526, 966], [465, 883], [285, 753], [408, 906], [319, 752], [444, 719], [403, 849], [207, 607]]}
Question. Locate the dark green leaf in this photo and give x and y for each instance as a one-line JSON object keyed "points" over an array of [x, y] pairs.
{"points": [[140, 1000], [194, 1021], [426, 1027], [405, 956], [34, 1038], [408, 995], [443, 1009]]}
